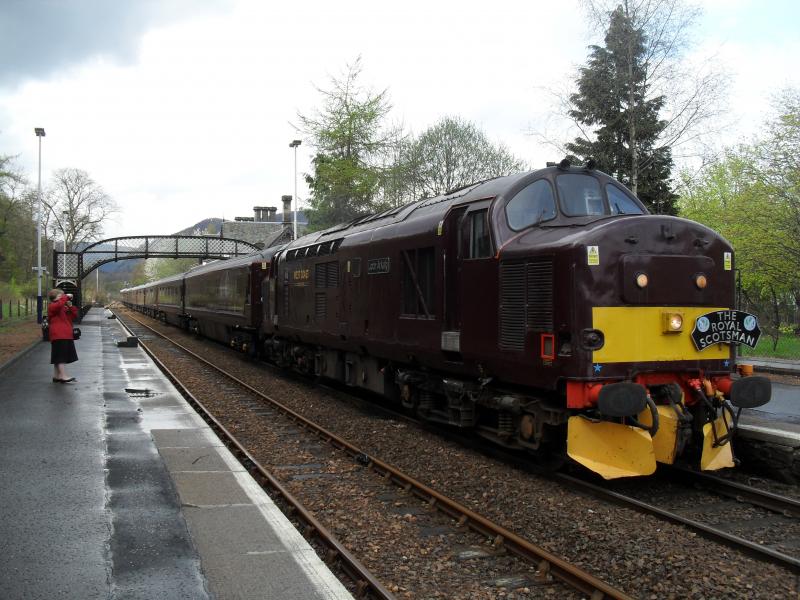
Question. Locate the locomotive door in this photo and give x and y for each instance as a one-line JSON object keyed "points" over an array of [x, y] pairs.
{"points": [[476, 282], [451, 233]]}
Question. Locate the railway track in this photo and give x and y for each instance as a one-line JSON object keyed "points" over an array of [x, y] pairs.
{"points": [[509, 552], [768, 524], [756, 522]]}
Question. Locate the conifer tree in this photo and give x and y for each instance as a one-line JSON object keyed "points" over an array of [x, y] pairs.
{"points": [[615, 107]]}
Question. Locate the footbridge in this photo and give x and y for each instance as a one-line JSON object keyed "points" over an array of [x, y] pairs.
{"points": [[70, 268]]}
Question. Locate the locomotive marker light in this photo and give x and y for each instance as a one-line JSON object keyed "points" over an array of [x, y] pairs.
{"points": [[641, 280], [700, 281]]}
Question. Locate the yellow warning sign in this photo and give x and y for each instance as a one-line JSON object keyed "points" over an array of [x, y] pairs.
{"points": [[593, 255], [727, 260]]}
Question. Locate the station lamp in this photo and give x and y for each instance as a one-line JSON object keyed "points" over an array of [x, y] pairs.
{"points": [[39, 131], [294, 144]]}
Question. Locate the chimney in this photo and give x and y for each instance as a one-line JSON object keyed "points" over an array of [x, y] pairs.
{"points": [[259, 213], [271, 210], [287, 209]]}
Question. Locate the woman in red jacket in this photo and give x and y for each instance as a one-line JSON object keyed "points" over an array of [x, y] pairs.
{"points": [[60, 314]]}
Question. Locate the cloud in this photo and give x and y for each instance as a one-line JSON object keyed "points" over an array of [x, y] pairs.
{"points": [[46, 36]]}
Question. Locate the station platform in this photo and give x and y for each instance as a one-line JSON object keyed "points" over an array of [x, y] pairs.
{"points": [[109, 493], [778, 421]]}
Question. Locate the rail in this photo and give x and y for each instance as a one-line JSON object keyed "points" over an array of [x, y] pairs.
{"points": [[546, 562], [366, 582], [751, 548]]}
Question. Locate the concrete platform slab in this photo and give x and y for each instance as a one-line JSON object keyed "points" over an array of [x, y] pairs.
{"points": [[102, 479], [195, 459], [208, 489]]}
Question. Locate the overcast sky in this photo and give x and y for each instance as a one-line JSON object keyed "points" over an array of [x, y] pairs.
{"points": [[183, 109]]}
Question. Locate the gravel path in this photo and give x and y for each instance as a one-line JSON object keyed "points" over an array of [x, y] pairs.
{"points": [[640, 554], [16, 336]]}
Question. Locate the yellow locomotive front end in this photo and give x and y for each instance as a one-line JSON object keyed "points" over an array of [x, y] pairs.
{"points": [[658, 371]]}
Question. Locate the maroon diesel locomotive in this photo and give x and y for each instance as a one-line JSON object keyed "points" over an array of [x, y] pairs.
{"points": [[546, 311]]}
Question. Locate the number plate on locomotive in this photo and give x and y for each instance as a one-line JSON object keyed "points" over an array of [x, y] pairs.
{"points": [[726, 327]]}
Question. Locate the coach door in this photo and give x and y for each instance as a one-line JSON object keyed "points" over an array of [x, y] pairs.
{"points": [[451, 242]]}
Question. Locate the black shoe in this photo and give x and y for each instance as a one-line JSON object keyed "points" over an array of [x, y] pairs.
{"points": [[70, 380]]}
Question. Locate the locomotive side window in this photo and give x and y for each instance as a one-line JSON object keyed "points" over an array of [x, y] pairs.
{"points": [[480, 243], [620, 202], [533, 204], [355, 267], [580, 195], [418, 282]]}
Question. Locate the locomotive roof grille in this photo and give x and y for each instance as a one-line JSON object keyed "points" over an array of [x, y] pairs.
{"points": [[317, 249]]}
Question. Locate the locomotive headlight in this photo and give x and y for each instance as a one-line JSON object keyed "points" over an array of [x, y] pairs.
{"points": [[641, 280], [700, 281], [672, 322]]}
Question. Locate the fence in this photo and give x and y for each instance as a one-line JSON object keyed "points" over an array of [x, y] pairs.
{"points": [[17, 309]]}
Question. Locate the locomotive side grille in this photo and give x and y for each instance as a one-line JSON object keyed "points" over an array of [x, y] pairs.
{"points": [[540, 295], [332, 277], [326, 275], [526, 300], [320, 306], [512, 306], [320, 274]]}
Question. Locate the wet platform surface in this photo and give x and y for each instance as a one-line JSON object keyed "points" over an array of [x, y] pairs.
{"points": [[778, 421], [109, 493]]}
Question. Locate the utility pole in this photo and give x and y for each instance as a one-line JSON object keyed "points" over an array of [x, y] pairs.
{"points": [[294, 144], [40, 134]]}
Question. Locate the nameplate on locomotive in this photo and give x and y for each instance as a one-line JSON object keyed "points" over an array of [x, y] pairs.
{"points": [[726, 327], [376, 266]]}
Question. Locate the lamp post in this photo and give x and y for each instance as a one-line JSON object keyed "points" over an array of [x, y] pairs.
{"points": [[40, 134], [64, 216], [294, 144]]}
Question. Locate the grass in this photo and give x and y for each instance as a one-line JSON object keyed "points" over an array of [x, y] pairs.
{"points": [[10, 311], [788, 347]]}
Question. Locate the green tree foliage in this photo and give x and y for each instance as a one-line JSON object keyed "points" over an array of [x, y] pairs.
{"points": [[752, 197], [450, 154], [352, 141], [17, 226], [614, 99]]}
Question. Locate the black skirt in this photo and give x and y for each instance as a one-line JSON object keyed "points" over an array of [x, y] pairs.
{"points": [[62, 352]]}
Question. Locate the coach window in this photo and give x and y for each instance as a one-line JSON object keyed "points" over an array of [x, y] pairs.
{"points": [[533, 204], [480, 243]]}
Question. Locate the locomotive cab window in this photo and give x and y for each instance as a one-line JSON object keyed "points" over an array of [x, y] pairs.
{"points": [[480, 242], [620, 202], [580, 195], [533, 204]]}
